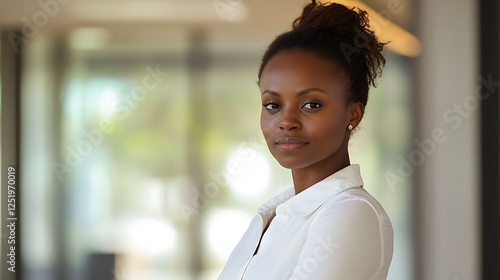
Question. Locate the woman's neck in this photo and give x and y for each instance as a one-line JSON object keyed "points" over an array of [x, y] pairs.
{"points": [[306, 177]]}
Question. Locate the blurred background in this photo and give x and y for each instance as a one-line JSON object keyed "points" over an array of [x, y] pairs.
{"points": [[140, 154]]}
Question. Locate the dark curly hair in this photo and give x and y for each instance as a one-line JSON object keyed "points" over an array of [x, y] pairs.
{"points": [[341, 34]]}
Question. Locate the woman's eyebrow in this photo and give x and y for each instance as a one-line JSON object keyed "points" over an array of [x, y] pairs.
{"points": [[300, 93], [270, 92], [306, 91]]}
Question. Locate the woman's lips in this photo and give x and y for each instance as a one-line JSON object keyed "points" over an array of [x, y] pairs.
{"points": [[291, 143]]}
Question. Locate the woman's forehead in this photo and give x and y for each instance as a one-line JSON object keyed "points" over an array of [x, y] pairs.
{"points": [[302, 68]]}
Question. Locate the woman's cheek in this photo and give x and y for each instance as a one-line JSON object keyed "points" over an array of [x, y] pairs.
{"points": [[266, 131]]}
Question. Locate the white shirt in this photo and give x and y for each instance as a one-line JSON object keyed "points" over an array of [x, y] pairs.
{"points": [[333, 230]]}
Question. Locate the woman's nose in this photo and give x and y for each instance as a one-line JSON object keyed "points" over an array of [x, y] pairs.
{"points": [[289, 121]]}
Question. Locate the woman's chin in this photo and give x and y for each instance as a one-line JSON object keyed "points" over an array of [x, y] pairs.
{"points": [[288, 164]]}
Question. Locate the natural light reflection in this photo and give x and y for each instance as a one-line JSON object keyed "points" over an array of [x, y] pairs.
{"points": [[149, 236], [221, 242], [107, 102], [248, 171]]}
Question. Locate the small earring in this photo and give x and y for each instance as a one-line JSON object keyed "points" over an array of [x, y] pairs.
{"points": [[350, 127]]}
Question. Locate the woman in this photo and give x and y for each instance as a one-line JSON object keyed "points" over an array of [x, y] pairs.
{"points": [[314, 83]]}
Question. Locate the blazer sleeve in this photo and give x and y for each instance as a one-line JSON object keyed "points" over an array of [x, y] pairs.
{"points": [[344, 243]]}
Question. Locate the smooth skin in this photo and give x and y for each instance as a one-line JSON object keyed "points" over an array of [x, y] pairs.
{"points": [[306, 113]]}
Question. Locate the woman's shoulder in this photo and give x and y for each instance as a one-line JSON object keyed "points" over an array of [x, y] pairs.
{"points": [[355, 203]]}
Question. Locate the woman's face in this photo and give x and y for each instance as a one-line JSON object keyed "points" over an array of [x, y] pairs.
{"points": [[305, 111]]}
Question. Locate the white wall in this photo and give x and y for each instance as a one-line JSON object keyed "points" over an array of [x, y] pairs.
{"points": [[448, 189]]}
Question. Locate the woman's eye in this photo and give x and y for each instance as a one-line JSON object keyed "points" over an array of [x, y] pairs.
{"points": [[312, 105], [271, 106]]}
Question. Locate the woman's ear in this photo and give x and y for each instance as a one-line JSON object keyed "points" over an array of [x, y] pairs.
{"points": [[356, 112]]}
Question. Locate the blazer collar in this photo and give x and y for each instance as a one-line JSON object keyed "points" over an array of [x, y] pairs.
{"points": [[313, 197]]}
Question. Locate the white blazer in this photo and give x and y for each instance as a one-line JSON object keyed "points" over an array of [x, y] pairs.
{"points": [[333, 230]]}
